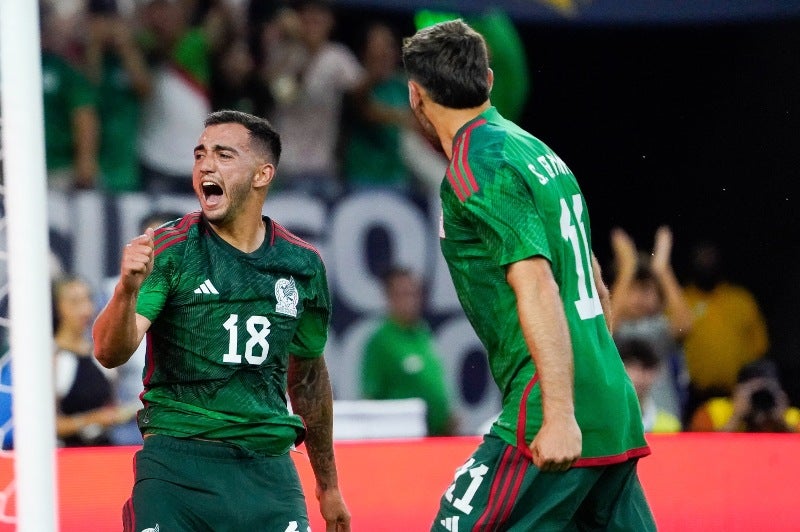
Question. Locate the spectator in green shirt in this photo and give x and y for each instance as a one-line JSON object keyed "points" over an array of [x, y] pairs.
{"points": [[71, 127], [400, 359], [118, 69]]}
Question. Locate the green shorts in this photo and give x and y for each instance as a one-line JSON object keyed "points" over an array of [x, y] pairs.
{"points": [[187, 485], [499, 488]]}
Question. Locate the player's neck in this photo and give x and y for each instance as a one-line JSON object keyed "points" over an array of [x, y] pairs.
{"points": [[448, 121], [246, 234]]}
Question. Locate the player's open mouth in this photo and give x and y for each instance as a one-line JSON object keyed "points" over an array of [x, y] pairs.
{"points": [[212, 193]]}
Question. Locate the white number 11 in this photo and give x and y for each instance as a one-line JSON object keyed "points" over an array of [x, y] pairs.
{"points": [[588, 302]]}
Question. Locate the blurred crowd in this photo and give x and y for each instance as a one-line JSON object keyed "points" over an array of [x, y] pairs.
{"points": [[127, 85]]}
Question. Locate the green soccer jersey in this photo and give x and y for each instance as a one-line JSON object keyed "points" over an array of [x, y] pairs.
{"points": [[507, 197], [223, 324]]}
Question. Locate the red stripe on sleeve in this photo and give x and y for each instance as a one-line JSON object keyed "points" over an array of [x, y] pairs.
{"points": [[453, 184], [465, 151]]}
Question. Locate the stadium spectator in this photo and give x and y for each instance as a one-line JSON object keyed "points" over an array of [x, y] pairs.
{"points": [[118, 69], [236, 310], [644, 368], [310, 77], [400, 359], [373, 156], [179, 51], [71, 124], [728, 329], [647, 303], [758, 404], [512, 233], [85, 406]]}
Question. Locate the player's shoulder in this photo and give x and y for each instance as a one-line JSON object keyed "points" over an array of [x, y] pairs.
{"points": [[296, 245], [173, 235]]}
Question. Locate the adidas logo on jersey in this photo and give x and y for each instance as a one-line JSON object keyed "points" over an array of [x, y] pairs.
{"points": [[206, 288], [450, 523]]}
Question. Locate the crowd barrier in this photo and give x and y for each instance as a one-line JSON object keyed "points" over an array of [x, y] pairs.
{"points": [[695, 482]]}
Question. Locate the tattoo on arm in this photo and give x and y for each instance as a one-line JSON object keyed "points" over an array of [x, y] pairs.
{"points": [[310, 392]]}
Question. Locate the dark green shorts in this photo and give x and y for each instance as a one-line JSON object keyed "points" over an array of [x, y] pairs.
{"points": [[499, 488], [185, 485]]}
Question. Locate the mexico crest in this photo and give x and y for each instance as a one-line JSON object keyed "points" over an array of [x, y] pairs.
{"points": [[286, 297]]}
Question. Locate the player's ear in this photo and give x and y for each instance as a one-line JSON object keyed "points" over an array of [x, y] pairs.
{"points": [[264, 175], [414, 93], [490, 78]]}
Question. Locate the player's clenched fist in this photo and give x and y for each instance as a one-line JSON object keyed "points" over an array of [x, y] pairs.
{"points": [[137, 261]]}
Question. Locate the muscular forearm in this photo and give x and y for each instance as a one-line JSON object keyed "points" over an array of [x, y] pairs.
{"points": [[114, 332], [310, 393], [544, 327]]}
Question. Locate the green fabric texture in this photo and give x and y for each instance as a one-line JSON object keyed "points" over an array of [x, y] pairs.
{"points": [[508, 197], [223, 326]]}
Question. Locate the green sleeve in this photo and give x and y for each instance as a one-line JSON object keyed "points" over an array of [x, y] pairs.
{"points": [[312, 331], [505, 214]]}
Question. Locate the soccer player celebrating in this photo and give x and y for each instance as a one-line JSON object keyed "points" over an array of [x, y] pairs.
{"points": [[236, 311], [515, 234]]}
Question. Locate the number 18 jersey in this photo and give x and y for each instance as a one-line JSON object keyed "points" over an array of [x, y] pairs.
{"points": [[223, 323], [507, 197]]}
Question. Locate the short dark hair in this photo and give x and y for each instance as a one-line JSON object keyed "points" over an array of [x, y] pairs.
{"points": [[638, 351], [450, 60], [262, 134]]}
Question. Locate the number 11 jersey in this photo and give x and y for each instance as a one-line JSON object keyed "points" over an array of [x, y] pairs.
{"points": [[507, 197]]}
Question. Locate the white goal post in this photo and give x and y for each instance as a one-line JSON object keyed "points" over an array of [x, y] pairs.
{"points": [[28, 271]]}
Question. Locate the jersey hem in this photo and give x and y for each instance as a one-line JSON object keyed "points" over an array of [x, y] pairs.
{"points": [[638, 452]]}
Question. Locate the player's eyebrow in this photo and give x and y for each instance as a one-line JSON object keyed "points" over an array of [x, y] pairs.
{"points": [[217, 148]]}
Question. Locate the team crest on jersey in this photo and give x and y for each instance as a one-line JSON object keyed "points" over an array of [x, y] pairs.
{"points": [[286, 297]]}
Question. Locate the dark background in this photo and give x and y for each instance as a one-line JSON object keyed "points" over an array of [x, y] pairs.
{"points": [[693, 126]]}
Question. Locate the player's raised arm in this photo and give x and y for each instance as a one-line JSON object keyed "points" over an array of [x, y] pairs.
{"points": [[310, 393], [118, 330], [558, 444]]}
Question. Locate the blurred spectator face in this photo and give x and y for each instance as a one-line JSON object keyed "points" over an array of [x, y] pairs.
{"points": [[166, 18], [706, 270], [317, 24], [404, 294], [645, 299], [236, 64], [642, 377], [74, 305], [381, 52]]}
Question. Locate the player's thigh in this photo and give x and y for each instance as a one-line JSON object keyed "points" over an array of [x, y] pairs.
{"points": [[267, 495], [617, 502], [498, 488]]}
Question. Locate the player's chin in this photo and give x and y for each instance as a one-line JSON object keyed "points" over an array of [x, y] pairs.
{"points": [[214, 214]]}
